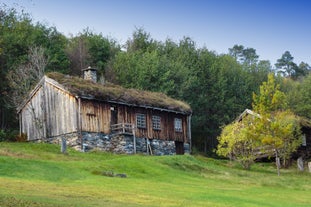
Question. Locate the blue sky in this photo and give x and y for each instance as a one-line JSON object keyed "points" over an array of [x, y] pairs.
{"points": [[269, 26]]}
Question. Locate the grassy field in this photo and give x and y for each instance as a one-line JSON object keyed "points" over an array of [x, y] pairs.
{"points": [[39, 175]]}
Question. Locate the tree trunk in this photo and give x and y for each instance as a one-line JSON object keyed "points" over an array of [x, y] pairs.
{"points": [[277, 162]]}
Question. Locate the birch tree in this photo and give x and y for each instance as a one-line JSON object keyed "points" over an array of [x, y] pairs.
{"points": [[26, 75]]}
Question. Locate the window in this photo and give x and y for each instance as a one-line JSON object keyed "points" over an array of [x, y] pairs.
{"points": [[178, 125], [141, 120], [156, 122], [304, 140]]}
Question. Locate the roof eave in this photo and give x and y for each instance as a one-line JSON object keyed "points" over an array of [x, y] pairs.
{"points": [[137, 105]]}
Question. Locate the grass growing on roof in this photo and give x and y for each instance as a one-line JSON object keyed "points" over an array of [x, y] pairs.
{"points": [[79, 86], [39, 175]]}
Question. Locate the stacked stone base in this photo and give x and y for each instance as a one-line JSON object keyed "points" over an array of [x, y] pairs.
{"points": [[119, 143]]}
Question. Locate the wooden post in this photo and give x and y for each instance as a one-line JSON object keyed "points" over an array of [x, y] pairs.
{"points": [[309, 166], [189, 133], [44, 110], [80, 122], [20, 123], [134, 138], [63, 145], [300, 164]]}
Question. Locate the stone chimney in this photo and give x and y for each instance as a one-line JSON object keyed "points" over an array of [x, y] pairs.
{"points": [[90, 73]]}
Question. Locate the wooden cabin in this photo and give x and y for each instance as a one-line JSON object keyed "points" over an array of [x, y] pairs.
{"points": [[304, 150], [62, 106]]}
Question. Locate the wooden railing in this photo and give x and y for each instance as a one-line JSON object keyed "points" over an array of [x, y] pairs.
{"points": [[122, 128], [125, 128]]}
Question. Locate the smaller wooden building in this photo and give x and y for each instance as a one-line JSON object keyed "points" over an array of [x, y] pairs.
{"points": [[64, 106], [304, 150]]}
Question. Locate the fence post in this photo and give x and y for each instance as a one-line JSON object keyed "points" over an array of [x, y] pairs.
{"points": [[300, 164], [63, 145]]}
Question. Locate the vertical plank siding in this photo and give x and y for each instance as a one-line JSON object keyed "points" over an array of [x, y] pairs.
{"points": [[95, 116], [61, 109], [127, 114], [32, 116], [52, 111]]}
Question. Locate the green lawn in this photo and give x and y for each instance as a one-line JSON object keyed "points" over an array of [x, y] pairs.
{"points": [[39, 175]]}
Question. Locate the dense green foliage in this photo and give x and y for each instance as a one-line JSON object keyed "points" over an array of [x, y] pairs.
{"points": [[272, 130], [39, 175], [218, 87]]}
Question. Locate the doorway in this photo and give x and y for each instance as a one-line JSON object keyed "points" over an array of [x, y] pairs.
{"points": [[179, 148], [114, 115]]}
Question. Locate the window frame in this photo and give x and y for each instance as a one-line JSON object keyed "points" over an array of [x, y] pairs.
{"points": [[178, 125], [141, 121], [156, 122]]}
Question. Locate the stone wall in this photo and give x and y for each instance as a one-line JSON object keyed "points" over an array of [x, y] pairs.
{"points": [[124, 144], [121, 144]]}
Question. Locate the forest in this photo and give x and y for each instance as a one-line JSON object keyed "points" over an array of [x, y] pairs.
{"points": [[218, 87]]}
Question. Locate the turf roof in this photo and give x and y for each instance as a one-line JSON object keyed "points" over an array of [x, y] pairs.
{"points": [[111, 92]]}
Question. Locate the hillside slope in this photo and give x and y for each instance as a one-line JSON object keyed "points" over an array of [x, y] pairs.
{"points": [[39, 175]]}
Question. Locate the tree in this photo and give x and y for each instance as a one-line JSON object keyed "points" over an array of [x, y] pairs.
{"points": [[141, 40], [274, 130], [237, 52], [298, 96], [26, 75], [18, 33], [90, 49], [285, 65], [246, 56], [23, 79], [279, 135], [237, 142], [278, 127], [302, 70], [270, 97]]}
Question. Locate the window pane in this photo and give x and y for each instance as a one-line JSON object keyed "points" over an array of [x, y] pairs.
{"points": [[156, 122], [141, 120], [178, 125]]}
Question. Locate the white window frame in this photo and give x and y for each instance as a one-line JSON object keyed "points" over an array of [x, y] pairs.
{"points": [[178, 125], [156, 122], [141, 121]]}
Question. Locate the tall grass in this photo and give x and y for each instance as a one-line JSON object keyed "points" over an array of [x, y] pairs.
{"points": [[39, 175]]}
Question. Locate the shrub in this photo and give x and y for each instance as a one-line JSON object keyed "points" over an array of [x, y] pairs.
{"points": [[10, 136]]}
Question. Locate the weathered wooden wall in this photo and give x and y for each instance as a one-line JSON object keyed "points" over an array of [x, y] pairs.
{"points": [[127, 114], [52, 111], [61, 111], [305, 151], [95, 116], [32, 117]]}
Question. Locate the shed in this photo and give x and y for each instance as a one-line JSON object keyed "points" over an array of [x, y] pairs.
{"points": [[104, 116], [304, 150]]}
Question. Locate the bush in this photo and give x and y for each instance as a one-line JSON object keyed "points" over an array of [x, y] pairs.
{"points": [[2, 135], [11, 136]]}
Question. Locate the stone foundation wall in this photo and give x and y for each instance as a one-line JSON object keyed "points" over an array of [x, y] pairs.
{"points": [[121, 144]]}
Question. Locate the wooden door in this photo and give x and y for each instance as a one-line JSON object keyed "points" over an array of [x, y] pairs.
{"points": [[179, 148], [114, 115]]}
